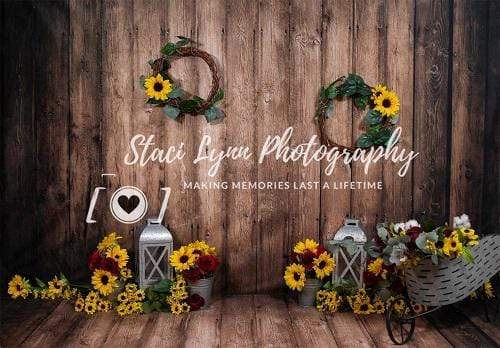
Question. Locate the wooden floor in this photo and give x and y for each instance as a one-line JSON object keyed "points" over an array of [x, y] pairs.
{"points": [[239, 321]]}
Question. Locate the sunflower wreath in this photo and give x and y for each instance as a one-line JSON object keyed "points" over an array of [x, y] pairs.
{"points": [[162, 92], [380, 120]]}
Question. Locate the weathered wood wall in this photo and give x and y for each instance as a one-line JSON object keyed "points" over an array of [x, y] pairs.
{"points": [[71, 102]]}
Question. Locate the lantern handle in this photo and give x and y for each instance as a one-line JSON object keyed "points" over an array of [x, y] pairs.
{"points": [[163, 204]]}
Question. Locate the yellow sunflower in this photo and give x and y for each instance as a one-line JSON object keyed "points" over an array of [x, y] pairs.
{"points": [[56, 287], [119, 255], [157, 87], [122, 310], [111, 240], [471, 236], [18, 287], [387, 103], [103, 281], [79, 304], [125, 273], [176, 308], [295, 276], [362, 308], [90, 307], [122, 297], [378, 90], [376, 267], [323, 265], [307, 244], [131, 287], [182, 259], [488, 290], [140, 295], [378, 306], [200, 247], [452, 245]]}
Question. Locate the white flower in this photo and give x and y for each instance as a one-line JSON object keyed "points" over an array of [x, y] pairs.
{"points": [[398, 254], [411, 223], [461, 221], [399, 226]]}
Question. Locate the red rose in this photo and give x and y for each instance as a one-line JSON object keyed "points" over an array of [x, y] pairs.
{"points": [[94, 260], [110, 265], [320, 250], [447, 232], [414, 232], [370, 278], [192, 275], [195, 302], [307, 259], [207, 263]]}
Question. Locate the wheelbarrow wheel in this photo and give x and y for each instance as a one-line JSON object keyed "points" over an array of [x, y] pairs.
{"points": [[400, 326], [491, 309]]}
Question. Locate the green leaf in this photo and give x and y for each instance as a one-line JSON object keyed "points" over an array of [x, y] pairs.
{"points": [[176, 93], [361, 102], [382, 232], [467, 255], [169, 49], [364, 141], [331, 92], [372, 117], [183, 41], [434, 259], [213, 113], [40, 283], [171, 111], [146, 307], [218, 96], [163, 286], [329, 110], [188, 105], [156, 306], [322, 93], [151, 62]]}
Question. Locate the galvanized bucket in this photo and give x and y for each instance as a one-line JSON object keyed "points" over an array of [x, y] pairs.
{"points": [[308, 294], [202, 287]]}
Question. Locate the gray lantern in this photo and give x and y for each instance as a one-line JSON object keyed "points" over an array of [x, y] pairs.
{"points": [[155, 246], [347, 248]]}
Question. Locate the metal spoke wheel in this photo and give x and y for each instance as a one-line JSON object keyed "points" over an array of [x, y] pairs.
{"points": [[491, 309], [400, 326]]}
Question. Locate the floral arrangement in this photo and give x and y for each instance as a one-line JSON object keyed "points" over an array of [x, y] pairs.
{"points": [[309, 260], [381, 118], [162, 92], [110, 286], [406, 243], [195, 261]]}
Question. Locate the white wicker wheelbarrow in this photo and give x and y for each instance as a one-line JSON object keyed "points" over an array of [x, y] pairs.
{"points": [[447, 283]]}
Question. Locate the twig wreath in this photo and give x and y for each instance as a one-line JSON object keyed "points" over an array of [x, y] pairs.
{"points": [[380, 119], [162, 92]]}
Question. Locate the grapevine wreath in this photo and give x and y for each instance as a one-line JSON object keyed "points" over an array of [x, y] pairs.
{"points": [[380, 120], [162, 92]]}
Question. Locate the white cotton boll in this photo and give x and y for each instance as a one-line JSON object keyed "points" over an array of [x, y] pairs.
{"points": [[399, 226], [456, 222], [465, 221], [411, 223]]}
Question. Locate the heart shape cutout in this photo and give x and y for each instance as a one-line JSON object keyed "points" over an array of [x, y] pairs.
{"points": [[128, 203]]}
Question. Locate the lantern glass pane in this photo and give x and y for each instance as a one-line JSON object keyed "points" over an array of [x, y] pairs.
{"points": [[156, 262]]}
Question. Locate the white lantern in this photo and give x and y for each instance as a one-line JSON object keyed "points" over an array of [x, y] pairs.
{"points": [[349, 264], [155, 246]]}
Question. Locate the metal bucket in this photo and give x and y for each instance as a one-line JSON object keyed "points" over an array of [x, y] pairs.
{"points": [[202, 287], [308, 294]]}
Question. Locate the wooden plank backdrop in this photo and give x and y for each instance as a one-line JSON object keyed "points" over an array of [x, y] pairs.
{"points": [[71, 102]]}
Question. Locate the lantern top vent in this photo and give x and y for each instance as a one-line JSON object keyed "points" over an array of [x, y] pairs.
{"points": [[155, 232], [352, 229]]}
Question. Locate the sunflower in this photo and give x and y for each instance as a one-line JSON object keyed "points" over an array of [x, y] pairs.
{"points": [[140, 295], [378, 306], [182, 259], [200, 247], [295, 276], [92, 296], [122, 297], [104, 281], [418, 308], [378, 90], [56, 286], [131, 287], [18, 287], [488, 290], [79, 304], [119, 255], [176, 308], [363, 308], [472, 237], [111, 240], [452, 245], [376, 266], [306, 245], [125, 273], [323, 265], [387, 103], [103, 305], [90, 307], [157, 87], [121, 310]]}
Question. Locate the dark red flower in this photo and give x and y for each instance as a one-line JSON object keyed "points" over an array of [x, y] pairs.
{"points": [[110, 265], [447, 232], [307, 259], [192, 275], [94, 260], [414, 232], [320, 250], [195, 302], [370, 278], [207, 263]]}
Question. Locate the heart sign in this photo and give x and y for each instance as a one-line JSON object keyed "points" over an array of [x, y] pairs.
{"points": [[128, 204]]}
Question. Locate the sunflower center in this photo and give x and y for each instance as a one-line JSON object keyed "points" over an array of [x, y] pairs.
{"points": [[453, 244], [158, 86], [296, 276], [322, 264], [364, 307], [183, 259], [104, 279], [386, 103], [18, 287], [57, 286]]}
